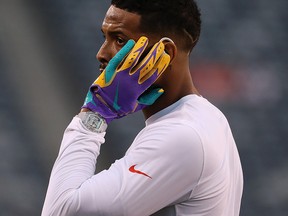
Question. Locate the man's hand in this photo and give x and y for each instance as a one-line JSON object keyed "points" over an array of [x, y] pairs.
{"points": [[123, 87]]}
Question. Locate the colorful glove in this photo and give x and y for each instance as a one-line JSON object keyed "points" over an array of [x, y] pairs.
{"points": [[122, 88]]}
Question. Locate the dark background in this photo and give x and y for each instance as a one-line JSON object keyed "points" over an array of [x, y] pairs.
{"points": [[47, 62]]}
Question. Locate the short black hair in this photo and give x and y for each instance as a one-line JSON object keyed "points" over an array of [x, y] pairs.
{"points": [[167, 17]]}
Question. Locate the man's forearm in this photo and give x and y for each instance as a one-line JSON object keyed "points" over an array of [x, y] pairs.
{"points": [[74, 165]]}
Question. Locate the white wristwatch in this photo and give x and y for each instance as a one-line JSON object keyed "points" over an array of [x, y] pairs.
{"points": [[93, 121]]}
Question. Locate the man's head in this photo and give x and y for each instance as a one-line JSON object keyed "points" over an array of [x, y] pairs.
{"points": [[176, 19], [172, 18], [131, 19]]}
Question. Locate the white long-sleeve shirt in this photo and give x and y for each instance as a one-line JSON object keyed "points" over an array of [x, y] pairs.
{"points": [[184, 162]]}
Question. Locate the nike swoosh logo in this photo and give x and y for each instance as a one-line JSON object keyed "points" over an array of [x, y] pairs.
{"points": [[133, 170], [115, 102]]}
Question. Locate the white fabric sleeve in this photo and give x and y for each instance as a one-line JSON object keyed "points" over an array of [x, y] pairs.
{"points": [[160, 167], [74, 165]]}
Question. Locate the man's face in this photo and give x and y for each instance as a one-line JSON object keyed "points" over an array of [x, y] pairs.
{"points": [[118, 27]]}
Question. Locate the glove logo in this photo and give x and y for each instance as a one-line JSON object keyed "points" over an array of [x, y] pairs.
{"points": [[133, 170], [115, 102]]}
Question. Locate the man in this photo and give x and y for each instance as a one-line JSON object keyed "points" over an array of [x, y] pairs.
{"points": [[185, 160]]}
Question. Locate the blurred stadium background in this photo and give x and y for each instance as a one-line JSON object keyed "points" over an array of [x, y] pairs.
{"points": [[47, 62]]}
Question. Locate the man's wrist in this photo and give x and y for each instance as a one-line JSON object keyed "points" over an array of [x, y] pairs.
{"points": [[85, 110], [93, 121]]}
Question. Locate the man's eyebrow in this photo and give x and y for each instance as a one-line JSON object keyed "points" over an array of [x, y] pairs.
{"points": [[114, 32]]}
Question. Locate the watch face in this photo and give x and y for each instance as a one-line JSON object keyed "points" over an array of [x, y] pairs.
{"points": [[93, 122]]}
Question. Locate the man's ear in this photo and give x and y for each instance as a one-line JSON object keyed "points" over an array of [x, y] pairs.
{"points": [[170, 49]]}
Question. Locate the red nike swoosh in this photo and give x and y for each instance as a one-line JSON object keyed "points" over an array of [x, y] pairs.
{"points": [[133, 170]]}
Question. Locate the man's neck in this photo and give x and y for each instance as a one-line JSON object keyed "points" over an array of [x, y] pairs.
{"points": [[176, 82], [165, 101]]}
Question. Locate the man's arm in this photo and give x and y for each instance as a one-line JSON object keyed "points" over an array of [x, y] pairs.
{"points": [[75, 164], [144, 181]]}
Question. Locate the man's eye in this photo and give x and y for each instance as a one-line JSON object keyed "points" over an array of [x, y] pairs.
{"points": [[120, 41]]}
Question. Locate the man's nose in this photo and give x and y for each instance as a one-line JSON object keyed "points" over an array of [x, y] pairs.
{"points": [[105, 53], [101, 56]]}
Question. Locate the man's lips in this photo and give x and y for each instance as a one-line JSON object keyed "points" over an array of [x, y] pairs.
{"points": [[102, 68]]}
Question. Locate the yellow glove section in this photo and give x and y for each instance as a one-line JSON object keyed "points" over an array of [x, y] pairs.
{"points": [[156, 61]]}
